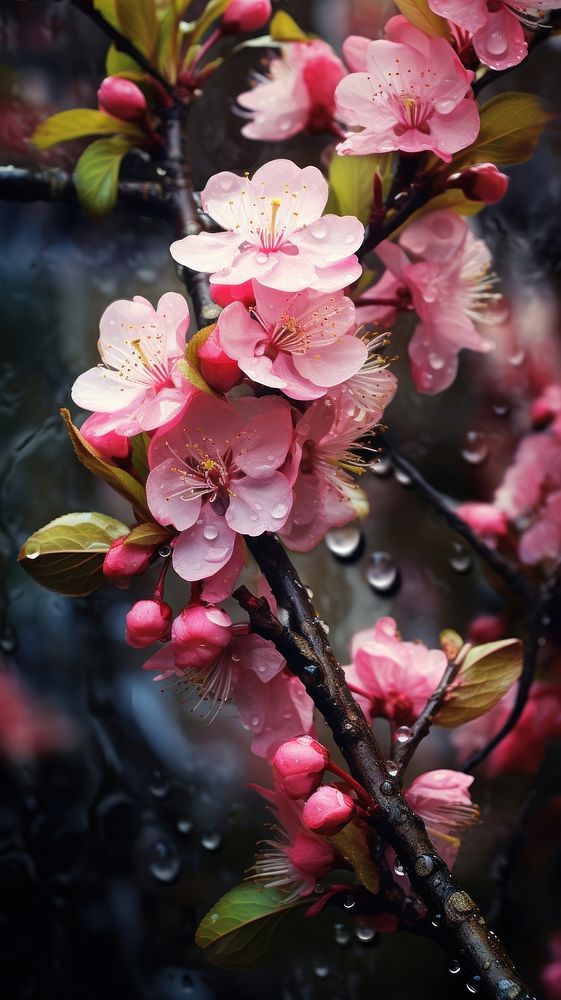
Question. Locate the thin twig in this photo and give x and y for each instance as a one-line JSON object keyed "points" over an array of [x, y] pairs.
{"points": [[54, 184]]}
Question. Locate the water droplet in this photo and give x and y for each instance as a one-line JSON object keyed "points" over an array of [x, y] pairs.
{"points": [[392, 768], [501, 408], [436, 920], [278, 511], [365, 934], [184, 825], [210, 532], [382, 573], [32, 550], [471, 987], [399, 869], [517, 358], [211, 840], [461, 559], [283, 616], [402, 477], [342, 934], [436, 362], [381, 466], [309, 592], [388, 788], [496, 43], [160, 785], [321, 970], [164, 551], [424, 865], [349, 901], [475, 449], [344, 542], [254, 721], [261, 258], [319, 231], [454, 967], [402, 734], [164, 861]]}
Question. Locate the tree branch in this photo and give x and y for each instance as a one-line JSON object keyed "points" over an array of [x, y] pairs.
{"points": [[54, 184]]}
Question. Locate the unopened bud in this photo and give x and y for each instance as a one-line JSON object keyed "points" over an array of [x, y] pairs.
{"points": [[108, 443], [121, 98], [123, 561], [199, 634], [245, 15], [481, 182], [223, 295], [299, 765], [148, 622], [219, 371], [486, 628], [311, 855], [328, 810]]}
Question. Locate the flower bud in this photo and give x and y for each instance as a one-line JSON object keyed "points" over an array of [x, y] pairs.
{"points": [[481, 182], [219, 371], [328, 810], [311, 855], [109, 443], [223, 295], [123, 561], [199, 634], [121, 98], [485, 519], [486, 628], [299, 765], [148, 622], [245, 15]]}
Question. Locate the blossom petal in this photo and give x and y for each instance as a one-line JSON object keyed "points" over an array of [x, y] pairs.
{"points": [[260, 450], [105, 390], [333, 363], [206, 251], [198, 552], [168, 497], [259, 505]]}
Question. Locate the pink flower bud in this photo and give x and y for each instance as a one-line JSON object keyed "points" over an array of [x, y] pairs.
{"points": [[486, 628], [299, 765], [148, 622], [121, 98], [109, 444], [123, 561], [223, 295], [311, 855], [485, 519], [245, 15], [328, 810], [199, 634], [481, 182], [219, 371]]}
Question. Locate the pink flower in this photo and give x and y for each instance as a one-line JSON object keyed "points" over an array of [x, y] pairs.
{"points": [[445, 268], [138, 386], [391, 678], [29, 729], [530, 496], [275, 232], [325, 495], [109, 444], [328, 810], [550, 974], [498, 37], [217, 369], [300, 343], [442, 800], [245, 15], [485, 519], [297, 95], [148, 622], [481, 182], [215, 473], [412, 96], [121, 98], [299, 765], [273, 712], [365, 395], [123, 561]]}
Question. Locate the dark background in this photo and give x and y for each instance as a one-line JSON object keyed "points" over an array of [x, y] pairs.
{"points": [[111, 853]]}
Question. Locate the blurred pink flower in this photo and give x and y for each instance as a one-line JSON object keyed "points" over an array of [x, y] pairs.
{"points": [[390, 678], [275, 232], [297, 95], [442, 800], [29, 729], [299, 342], [138, 387], [498, 36], [412, 96], [550, 974], [530, 496], [215, 474], [274, 711], [485, 519], [365, 395]]}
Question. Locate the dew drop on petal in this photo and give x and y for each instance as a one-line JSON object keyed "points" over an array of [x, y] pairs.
{"points": [[402, 478], [278, 511], [210, 532], [475, 449], [461, 559], [261, 258], [497, 43], [403, 734]]}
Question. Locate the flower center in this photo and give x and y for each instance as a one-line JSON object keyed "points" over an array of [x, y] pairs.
{"points": [[414, 113], [289, 335]]}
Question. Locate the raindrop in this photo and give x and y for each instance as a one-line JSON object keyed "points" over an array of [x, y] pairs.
{"points": [[424, 865], [365, 933], [210, 532], [399, 869], [321, 969], [381, 466], [436, 920], [461, 559], [454, 967], [32, 550], [164, 861], [211, 840], [278, 511], [501, 408], [342, 934], [344, 542], [261, 258], [475, 449], [319, 231], [403, 734], [184, 825], [164, 551], [309, 592], [471, 987], [497, 43], [402, 477], [517, 358], [283, 616], [160, 785], [388, 788], [392, 768], [349, 901], [8, 640], [382, 573]]}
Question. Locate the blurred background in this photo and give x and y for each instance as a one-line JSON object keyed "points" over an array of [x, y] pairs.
{"points": [[111, 851]]}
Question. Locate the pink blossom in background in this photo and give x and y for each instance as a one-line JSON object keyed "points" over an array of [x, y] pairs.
{"points": [[498, 36], [29, 729], [446, 270], [301, 343], [215, 474], [546, 409], [413, 96], [138, 387], [485, 519], [325, 495], [298, 94], [390, 678], [365, 395], [275, 232], [443, 801], [550, 974], [274, 711], [530, 496]]}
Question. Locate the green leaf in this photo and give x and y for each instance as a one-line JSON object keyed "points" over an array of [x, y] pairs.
{"points": [[122, 482], [419, 13], [139, 455], [148, 534], [211, 13], [108, 10], [351, 181], [511, 126], [189, 367], [96, 175], [238, 931], [137, 21], [166, 50], [67, 554], [285, 29], [488, 672], [120, 64], [78, 123], [352, 844]]}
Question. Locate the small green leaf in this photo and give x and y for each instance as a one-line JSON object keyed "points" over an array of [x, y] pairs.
{"points": [[137, 21], [122, 482], [419, 13], [237, 932], [213, 10], [189, 367], [108, 10], [139, 455], [78, 123], [67, 554], [511, 126], [118, 63], [488, 672], [148, 534], [97, 175], [352, 844], [285, 29], [351, 181]]}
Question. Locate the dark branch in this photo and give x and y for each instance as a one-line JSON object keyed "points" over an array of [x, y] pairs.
{"points": [[54, 184]]}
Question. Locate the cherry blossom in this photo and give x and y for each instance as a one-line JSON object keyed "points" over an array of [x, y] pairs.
{"points": [[530, 496], [446, 270], [442, 799], [391, 678], [215, 473], [485, 519], [550, 974], [497, 28], [274, 711], [297, 94], [28, 728], [413, 96], [139, 386], [365, 395], [301, 343], [275, 232]]}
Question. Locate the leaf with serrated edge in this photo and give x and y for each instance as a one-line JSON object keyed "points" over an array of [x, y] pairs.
{"points": [[488, 672], [97, 175], [352, 844], [511, 126], [67, 554], [122, 482], [237, 932], [81, 122], [419, 13], [148, 534]]}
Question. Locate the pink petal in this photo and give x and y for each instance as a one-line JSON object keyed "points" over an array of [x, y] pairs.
{"points": [[163, 407], [197, 555], [206, 251], [219, 587], [309, 185], [267, 435], [121, 323], [173, 321], [470, 16], [167, 496], [258, 505], [330, 240], [337, 276], [105, 390], [454, 131], [332, 364], [501, 42], [258, 655], [247, 264], [238, 332], [354, 52]]}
